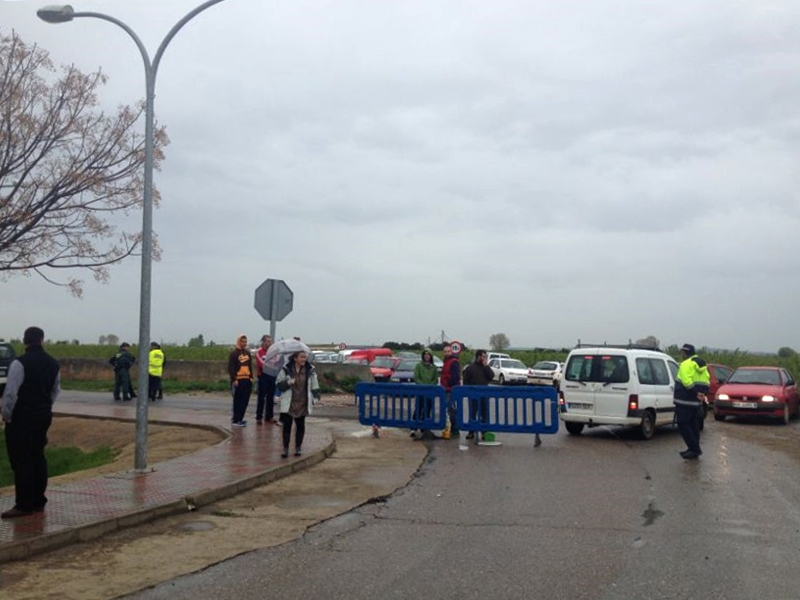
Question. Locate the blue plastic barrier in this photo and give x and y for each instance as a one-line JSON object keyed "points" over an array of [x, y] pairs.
{"points": [[506, 409], [404, 405]]}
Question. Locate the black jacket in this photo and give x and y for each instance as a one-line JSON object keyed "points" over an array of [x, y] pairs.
{"points": [[35, 394]]}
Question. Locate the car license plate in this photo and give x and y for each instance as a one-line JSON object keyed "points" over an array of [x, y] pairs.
{"points": [[745, 405]]}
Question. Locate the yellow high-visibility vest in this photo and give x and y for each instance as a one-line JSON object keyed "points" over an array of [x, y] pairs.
{"points": [[156, 362]]}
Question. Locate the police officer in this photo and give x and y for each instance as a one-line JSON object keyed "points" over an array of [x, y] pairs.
{"points": [[122, 362], [155, 370], [691, 387]]}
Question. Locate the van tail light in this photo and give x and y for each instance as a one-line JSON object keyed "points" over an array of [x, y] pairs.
{"points": [[561, 399], [633, 402]]}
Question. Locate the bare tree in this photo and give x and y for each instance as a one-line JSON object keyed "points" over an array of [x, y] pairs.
{"points": [[499, 341], [66, 167], [650, 340]]}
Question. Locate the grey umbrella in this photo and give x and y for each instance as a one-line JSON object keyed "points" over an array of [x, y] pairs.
{"points": [[278, 352]]}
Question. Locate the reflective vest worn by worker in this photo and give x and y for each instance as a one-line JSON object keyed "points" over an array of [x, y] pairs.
{"points": [[155, 365], [692, 379]]}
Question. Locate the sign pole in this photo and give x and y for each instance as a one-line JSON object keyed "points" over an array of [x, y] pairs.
{"points": [[273, 312]]}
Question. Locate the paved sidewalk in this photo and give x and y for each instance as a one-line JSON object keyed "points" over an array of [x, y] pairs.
{"points": [[83, 510]]}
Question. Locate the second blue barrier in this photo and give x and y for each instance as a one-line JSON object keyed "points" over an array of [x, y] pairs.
{"points": [[506, 409]]}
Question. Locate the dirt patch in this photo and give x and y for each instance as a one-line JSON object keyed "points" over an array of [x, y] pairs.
{"points": [[163, 443], [768, 434]]}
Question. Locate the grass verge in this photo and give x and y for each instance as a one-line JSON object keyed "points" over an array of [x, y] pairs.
{"points": [[59, 460]]}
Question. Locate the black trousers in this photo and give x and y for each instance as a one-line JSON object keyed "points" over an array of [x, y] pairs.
{"points": [[26, 438], [300, 431], [688, 419], [154, 385], [241, 398], [266, 397]]}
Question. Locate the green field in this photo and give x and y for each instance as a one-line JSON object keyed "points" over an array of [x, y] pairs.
{"points": [[529, 357], [59, 460]]}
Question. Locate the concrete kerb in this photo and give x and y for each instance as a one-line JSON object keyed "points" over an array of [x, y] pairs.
{"points": [[226, 433], [21, 549]]}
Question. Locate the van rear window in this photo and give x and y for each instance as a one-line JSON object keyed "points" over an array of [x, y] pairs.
{"points": [[598, 368]]}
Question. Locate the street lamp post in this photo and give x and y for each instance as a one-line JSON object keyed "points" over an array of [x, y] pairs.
{"points": [[63, 14]]}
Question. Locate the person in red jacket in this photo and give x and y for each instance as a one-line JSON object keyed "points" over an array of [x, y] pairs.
{"points": [[451, 377]]}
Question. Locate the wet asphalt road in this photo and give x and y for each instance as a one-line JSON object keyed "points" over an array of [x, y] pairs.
{"points": [[600, 516]]}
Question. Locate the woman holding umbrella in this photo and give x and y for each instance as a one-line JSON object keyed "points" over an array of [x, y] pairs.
{"points": [[299, 388]]}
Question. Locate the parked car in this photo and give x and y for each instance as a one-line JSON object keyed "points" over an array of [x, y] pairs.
{"points": [[7, 355], [718, 375], [545, 372], [758, 392], [404, 370], [493, 355], [509, 371], [383, 367], [324, 357], [617, 385]]}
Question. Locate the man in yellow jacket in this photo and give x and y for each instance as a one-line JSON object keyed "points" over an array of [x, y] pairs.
{"points": [[155, 370], [691, 387]]}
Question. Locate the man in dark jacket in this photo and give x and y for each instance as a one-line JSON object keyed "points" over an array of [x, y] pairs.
{"points": [[478, 373], [33, 386], [122, 362]]}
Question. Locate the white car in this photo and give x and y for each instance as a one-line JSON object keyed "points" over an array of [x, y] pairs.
{"points": [[617, 385], [545, 372], [7, 356], [509, 371]]}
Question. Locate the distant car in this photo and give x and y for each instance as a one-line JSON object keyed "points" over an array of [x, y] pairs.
{"points": [[325, 357], [383, 367], [545, 372], [404, 370], [758, 392], [718, 375], [493, 355], [7, 355], [509, 371]]}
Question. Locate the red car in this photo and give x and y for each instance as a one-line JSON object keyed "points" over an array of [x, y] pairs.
{"points": [[758, 392], [718, 374], [383, 367]]}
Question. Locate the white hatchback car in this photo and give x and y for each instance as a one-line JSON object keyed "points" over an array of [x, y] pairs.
{"points": [[508, 371], [545, 372]]}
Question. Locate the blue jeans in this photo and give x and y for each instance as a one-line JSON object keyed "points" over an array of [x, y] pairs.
{"points": [[241, 398]]}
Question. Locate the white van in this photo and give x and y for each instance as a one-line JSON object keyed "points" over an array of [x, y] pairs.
{"points": [[491, 355], [613, 385]]}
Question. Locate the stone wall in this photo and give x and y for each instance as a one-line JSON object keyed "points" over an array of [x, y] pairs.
{"points": [[98, 369]]}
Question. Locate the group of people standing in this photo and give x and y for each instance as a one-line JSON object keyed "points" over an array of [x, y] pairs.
{"points": [[296, 387], [122, 362], [477, 372]]}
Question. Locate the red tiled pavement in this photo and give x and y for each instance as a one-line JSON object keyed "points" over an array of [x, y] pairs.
{"points": [[82, 510]]}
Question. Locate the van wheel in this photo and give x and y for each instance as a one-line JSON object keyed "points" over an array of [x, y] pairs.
{"points": [[574, 428], [648, 426]]}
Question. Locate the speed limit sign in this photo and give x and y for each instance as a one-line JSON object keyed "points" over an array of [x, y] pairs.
{"points": [[342, 346], [455, 347]]}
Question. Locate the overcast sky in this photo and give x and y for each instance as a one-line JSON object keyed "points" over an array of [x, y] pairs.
{"points": [[599, 170]]}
